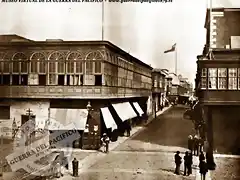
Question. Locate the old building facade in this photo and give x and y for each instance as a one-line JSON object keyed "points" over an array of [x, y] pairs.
{"points": [[180, 88], [58, 80], [159, 88], [217, 81]]}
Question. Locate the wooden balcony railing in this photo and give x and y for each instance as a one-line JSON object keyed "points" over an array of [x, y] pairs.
{"points": [[71, 92]]}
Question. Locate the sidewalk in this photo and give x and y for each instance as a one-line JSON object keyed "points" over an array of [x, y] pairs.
{"points": [[95, 155]]}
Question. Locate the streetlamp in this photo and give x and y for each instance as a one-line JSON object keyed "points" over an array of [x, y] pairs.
{"points": [[89, 108]]}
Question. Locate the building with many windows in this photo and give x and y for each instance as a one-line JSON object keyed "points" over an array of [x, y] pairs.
{"points": [[159, 89], [218, 81], [93, 84]]}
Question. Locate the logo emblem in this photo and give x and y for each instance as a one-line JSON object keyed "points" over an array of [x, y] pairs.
{"points": [[33, 155]]}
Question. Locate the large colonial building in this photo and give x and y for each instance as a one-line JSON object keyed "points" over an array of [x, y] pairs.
{"points": [[93, 84], [218, 80]]}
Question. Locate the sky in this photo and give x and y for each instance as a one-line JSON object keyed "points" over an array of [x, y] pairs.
{"points": [[145, 30]]}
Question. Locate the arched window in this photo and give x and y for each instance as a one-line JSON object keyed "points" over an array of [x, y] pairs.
{"points": [[19, 69], [57, 58], [38, 63], [56, 65], [75, 63], [94, 59], [20, 63], [7, 64]]}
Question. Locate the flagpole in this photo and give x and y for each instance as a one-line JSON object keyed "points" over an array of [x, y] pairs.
{"points": [[102, 20], [176, 60]]}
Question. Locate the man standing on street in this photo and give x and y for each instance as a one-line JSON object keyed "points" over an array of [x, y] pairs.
{"points": [[190, 163], [186, 164], [203, 169], [178, 161], [190, 143], [201, 156], [196, 145]]}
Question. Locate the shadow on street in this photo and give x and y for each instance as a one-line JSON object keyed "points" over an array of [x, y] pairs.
{"points": [[168, 129]]}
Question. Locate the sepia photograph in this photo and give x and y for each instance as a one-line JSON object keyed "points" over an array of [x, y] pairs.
{"points": [[119, 89]]}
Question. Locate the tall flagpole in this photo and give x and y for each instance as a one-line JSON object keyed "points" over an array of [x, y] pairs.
{"points": [[102, 20], [176, 65]]}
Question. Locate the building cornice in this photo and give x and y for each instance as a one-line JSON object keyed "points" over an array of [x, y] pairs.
{"points": [[58, 43]]}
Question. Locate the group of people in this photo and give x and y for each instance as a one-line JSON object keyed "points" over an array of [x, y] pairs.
{"points": [[188, 161], [195, 144]]}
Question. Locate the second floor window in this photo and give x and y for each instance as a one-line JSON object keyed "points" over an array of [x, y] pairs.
{"points": [[204, 78], [212, 78], [232, 78], [222, 78]]}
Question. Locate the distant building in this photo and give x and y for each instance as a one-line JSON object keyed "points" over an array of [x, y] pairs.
{"points": [[180, 88], [159, 88], [218, 80], [168, 85], [60, 80]]}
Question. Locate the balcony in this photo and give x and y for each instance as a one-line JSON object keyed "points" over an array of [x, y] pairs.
{"points": [[71, 92], [219, 97]]}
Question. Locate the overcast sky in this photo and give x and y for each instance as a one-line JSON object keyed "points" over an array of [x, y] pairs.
{"points": [[145, 30]]}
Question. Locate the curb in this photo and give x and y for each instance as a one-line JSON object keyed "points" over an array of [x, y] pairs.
{"points": [[226, 156]]}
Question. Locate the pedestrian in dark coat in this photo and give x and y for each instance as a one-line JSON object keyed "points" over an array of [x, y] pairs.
{"points": [[190, 143], [196, 145], [178, 162], [128, 128], [186, 163], [190, 163], [201, 156], [203, 169]]}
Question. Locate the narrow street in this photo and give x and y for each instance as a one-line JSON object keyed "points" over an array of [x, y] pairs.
{"points": [[149, 154]]}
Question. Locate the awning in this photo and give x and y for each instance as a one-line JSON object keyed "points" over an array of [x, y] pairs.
{"points": [[124, 111], [138, 108], [108, 119], [59, 118]]}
